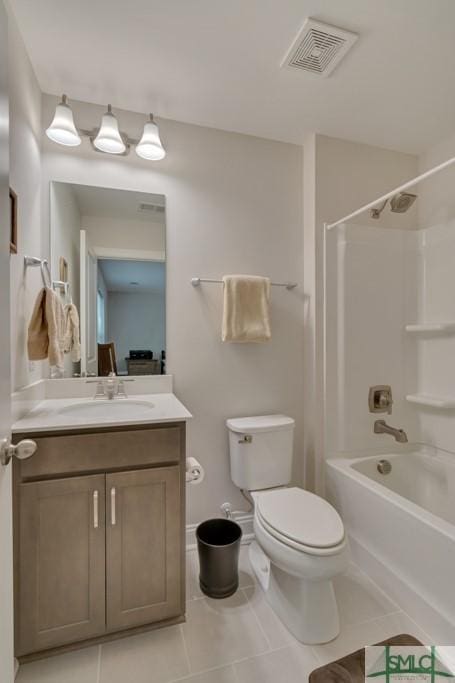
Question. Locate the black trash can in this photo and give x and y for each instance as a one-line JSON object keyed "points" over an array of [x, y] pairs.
{"points": [[218, 543]]}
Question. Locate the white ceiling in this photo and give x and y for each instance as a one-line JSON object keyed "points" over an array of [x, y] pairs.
{"points": [[217, 63], [133, 276]]}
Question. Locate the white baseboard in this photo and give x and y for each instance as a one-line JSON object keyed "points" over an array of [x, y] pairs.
{"points": [[440, 630], [244, 521]]}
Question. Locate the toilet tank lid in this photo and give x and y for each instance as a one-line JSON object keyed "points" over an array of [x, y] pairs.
{"points": [[260, 423]]}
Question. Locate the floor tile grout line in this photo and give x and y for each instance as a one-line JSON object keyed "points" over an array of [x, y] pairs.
{"points": [[98, 671], [256, 618], [230, 665], [263, 654], [235, 661], [376, 585], [427, 635], [236, 676], [367, 621], [202, 673], [314, 653], [362, 623], [378, 618], [185, 649]]}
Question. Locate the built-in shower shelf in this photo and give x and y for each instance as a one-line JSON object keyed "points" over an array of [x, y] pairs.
{"points": [[431, 327], [443, 402]]}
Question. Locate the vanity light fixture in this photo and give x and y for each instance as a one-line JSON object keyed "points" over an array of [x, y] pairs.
{"points": [[149, 146], [107, 138], [62, 128]]}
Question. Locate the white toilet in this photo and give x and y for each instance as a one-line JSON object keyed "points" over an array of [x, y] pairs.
{"points": [[301, 544]]}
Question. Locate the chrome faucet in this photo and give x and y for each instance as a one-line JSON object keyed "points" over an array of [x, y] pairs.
{"points": [[109, 387], [381, 427]]}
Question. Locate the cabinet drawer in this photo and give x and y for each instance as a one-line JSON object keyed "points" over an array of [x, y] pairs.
{"points": [[103, 451]]}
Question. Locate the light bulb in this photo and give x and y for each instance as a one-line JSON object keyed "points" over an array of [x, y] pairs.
{"points": [[62, 128], [149, 146], [109, 139]]}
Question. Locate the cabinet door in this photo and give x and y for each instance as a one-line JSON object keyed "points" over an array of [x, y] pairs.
{"points": [[143, 546], [61, 559]]}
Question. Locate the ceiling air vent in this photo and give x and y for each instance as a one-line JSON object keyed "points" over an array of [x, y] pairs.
{"points": [[318, 48], [157, 208]]}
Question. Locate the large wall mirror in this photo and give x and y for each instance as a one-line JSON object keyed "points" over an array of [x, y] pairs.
{"points": [[108, 249]]}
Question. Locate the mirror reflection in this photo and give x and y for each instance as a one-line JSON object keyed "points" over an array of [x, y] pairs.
{"points": [[109, 248]]}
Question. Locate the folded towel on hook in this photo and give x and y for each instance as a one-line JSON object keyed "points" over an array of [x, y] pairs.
{"points": [[246, 315], [47, 328], [71, 343]]}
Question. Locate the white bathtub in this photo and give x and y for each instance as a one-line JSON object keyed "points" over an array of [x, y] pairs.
{"points": [[402, 529]]}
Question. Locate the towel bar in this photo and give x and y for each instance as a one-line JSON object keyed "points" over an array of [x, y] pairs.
{"points": [[196, 281]]}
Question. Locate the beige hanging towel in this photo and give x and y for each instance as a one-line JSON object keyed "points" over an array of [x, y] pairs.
{"points": [[46, 328], [72, 342], [246, 315]]}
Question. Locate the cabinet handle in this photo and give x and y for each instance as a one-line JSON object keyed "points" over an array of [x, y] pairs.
{"points": [[95, 509], [113, 516]]}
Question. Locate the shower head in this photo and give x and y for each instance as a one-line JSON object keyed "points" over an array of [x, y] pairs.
{"points": [[399, 203], [402, 201]]}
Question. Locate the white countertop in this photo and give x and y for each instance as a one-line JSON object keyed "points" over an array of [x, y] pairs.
{"points": [[50, 415]]}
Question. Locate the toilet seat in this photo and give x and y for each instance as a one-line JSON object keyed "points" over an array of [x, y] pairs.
{"points": [[301, 520]]}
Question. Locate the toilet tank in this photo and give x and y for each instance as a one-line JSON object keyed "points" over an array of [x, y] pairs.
{"points": [[261, 451]]}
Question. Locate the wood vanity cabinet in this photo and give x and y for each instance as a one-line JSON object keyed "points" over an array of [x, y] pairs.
{"points": [[99, 535]]}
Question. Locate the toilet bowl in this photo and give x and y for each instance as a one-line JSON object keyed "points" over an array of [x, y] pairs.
{"points": [[303, 548], [300, 540]]}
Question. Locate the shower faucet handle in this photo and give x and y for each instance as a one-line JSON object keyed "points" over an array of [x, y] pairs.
{"points": [[380, 399]]}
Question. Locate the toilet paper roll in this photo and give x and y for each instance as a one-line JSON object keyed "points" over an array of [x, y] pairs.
{"points": [[195, 473]]}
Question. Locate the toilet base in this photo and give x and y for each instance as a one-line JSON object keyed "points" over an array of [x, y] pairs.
{"points": [[308, 609]]}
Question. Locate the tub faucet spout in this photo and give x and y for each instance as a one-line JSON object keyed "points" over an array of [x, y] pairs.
{"points": [[381, 427]]}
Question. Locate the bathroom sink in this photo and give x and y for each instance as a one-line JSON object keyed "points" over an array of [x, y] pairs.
{"points": [[122, 408]]}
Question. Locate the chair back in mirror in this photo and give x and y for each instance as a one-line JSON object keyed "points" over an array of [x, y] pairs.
{"points": [[106, 359]]}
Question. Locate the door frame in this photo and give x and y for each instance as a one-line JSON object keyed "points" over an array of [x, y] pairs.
{"points": [[7, 665]]}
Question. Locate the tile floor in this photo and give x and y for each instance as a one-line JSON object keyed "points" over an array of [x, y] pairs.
{"points": [[238, 640]]}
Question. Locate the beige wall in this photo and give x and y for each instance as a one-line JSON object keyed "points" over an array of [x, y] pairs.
{"points": [[126, 234], [436, 195], [24, 141], [233, 204], [25, 179]]}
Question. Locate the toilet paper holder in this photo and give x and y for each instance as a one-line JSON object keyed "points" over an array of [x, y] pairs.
{"points": [[195, 473]]}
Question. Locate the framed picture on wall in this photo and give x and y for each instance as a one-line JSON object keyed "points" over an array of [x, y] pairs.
{"points": [[13, 221]]}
